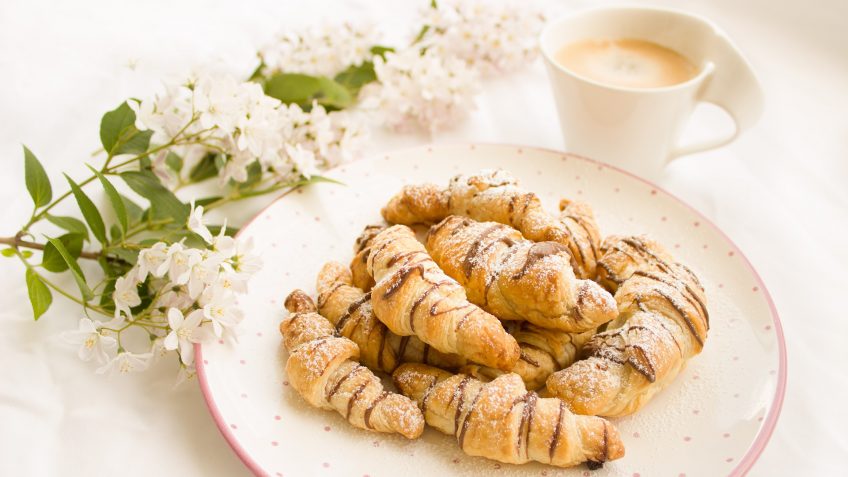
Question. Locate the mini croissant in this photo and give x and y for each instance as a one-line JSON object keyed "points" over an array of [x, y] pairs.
{"points": [[413, 296], [322, 368], [349, 309], [543, 351], [662, 323], [501, 420], [495, 196], [516, 279]]}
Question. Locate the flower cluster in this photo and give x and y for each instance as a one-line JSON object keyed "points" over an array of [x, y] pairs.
{"points": [[243, 125], [422, 89], [320, 51], [179, 295], [491, 36]]}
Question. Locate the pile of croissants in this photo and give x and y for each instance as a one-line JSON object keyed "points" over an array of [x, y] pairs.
{"points": [[502, 300]]}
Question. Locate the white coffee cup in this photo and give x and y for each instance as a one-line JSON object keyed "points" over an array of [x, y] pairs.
{"points": [[638, 128]]}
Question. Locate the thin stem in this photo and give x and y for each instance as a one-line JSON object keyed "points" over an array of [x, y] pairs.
{"points": [[16, 242]]}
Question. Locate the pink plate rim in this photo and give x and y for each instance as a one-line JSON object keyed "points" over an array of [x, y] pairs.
{"points": [[741, 468]]}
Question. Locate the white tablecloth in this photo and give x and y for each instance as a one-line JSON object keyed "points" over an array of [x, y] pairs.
{"points": [[779, 192]]}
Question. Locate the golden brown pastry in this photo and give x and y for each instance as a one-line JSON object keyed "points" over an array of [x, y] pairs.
{"points": [[543, 352], [349, 309], [322, 368], [662, 322], [516, 279], [414, 297], [495, 196], [501, 420], [361, 249]]}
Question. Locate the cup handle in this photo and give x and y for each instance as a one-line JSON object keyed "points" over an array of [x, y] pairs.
{"points": [[731, 85]]}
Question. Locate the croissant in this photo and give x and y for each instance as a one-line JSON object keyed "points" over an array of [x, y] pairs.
{"points": [[516, 279], [322, 369], [501, 420], [543, 351], [495, 196], [413, 296], [349, 309], [662, 323]]}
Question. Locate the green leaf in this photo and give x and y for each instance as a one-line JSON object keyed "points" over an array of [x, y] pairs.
{"points": [[300, 89], [174, 161], [163, 202], [89, 211], [70, 224], [37, 182], [230, 232], [119, 135], [39, 295], [316, 180], [134, 212], [207, 200], [355, 77], [254, 173], [421, 34], [379, 50], [125, 254], [8, 252], [115, 199], [204, 169], [257, 73], [52, 260], [74, 267]]}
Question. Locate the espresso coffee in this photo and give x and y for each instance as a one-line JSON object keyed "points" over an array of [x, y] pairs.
{"points": [[627, 63]]}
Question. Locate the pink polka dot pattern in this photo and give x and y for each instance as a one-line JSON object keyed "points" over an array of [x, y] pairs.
{"points": [[275, 443], [325, 465], [327, 428], [233, 426], [277, 418], [687, 439], [244, 395]]}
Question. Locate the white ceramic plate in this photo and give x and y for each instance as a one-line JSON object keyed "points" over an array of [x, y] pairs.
{"points": [[715, 419]]}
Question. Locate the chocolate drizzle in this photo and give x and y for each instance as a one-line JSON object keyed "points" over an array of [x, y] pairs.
{"points": [[400, 277], [526, 422], [351, 309], [555, 439], [332, 392], [537, 252], [354, 397], [460, 439], [523, 356], [474, 250], [371, 407], [459, 394]]}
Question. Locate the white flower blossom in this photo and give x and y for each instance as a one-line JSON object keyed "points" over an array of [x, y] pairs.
{"points": [[303, 159], [181, 262], [243, 260], [155, 260], [93, 345], [492, 36], [422, 89], [320, 51], [195, 223], [125, 295], [221, 311], [127, 362], [184, 333], [241, 125]]}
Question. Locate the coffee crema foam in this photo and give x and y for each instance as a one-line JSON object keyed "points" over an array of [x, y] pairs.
{"points": [[627, 63]]}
